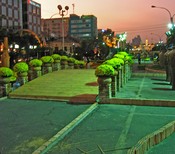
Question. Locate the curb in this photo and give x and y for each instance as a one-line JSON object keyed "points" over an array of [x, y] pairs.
{"points": [[67, 129], [153, 139], [141, 102]]}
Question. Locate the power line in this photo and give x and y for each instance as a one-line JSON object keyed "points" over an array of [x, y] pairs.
{"points": [[141, 29]]}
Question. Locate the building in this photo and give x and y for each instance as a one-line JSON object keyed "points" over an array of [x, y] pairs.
{"points": [[52, 27], [136, 41], [11, 14], [31, 16], [84, 27], [20, 14]]}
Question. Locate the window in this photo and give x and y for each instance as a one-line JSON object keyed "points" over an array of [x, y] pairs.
{"points": [[9, 12], [15, 3], [16, 14], [4, 22], [4, 12], [10, 2], [34, 10], [34, 20], [4, 1], [30, 18], [30, 8], [38, 11], [10, 23], [34, 29], [15, 24]]}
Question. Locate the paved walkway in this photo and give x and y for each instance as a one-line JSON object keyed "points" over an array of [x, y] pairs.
{"points": [[80, 86]]}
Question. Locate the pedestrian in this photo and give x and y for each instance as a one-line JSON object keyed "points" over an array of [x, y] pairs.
{"points": [[12, 55], [139, 58]]}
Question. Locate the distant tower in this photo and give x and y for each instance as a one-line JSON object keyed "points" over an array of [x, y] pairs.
{"points": [[73, 8], [146, 42]]}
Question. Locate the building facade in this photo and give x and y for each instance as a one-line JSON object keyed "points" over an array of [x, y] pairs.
{"points": [[20, 14], [53, 27], [84, 27], [31, 16], [11, 14]]}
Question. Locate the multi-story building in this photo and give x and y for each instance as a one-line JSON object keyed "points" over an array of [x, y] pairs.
{"points": [[20, 14], [84, 27], [53, 27], [31, 16], [11, 14]]}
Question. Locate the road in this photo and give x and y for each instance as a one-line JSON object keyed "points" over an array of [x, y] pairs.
{"points": [[27, 124]]}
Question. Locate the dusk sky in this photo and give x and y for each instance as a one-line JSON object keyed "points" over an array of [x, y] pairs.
{"points": [[136, 17]]}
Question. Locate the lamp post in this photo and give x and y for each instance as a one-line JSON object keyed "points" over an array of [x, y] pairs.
{"points": [[171, 16], [63, 13]]}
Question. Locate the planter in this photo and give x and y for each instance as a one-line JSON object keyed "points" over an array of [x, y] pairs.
{"points": [[23, 74], [47, 68], [70, 65], [34, 72], [5, 86], [104, 88], [64, 64], [36, 68], [4, 79], [76, 66], [82, 66], [118, 82], [56, 61], [56, 66], [47, 64], [114, 86], [22, 78], [121, 77]]}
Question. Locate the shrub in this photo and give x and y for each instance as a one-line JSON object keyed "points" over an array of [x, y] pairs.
{"points": [[21, 67], [76, 62], [47, 59], [64, 58], [115, 64], [72, 60], [119, 61], [13, 78], [6, 72], [124, 53], [35, 63], [104, 70], [129, 59], [119, 56], [81, 62], [56, 56]]}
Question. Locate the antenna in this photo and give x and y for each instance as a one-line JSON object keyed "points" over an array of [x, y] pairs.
{"points": [[73, 7]]}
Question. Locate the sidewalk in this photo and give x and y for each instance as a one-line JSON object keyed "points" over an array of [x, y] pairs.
{"points": [[80, 86]]}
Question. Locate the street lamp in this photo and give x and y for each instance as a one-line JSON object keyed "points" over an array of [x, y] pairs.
{"points": [[171, 16], [63, 13]]}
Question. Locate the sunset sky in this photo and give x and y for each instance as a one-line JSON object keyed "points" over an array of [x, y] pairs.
{"points": [[136, 17]]}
